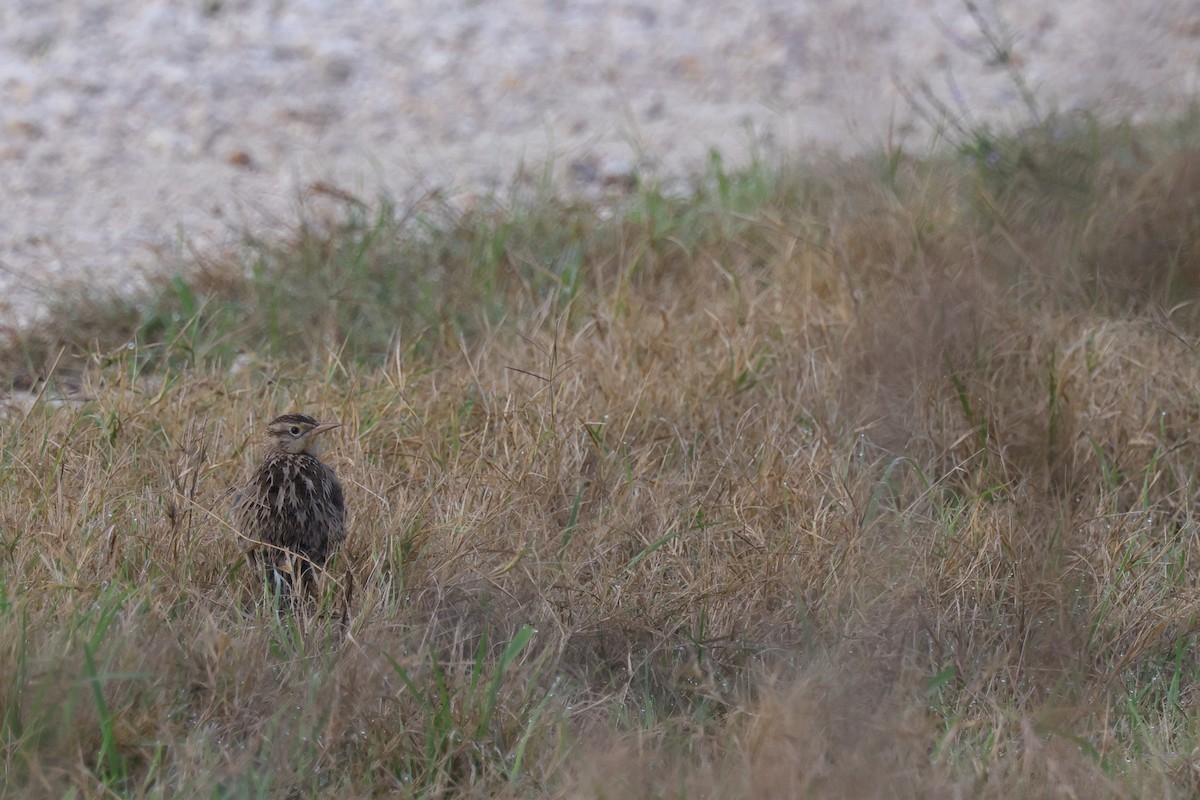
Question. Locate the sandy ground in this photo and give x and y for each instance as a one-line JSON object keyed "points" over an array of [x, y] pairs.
{"points": [[131, 128]]}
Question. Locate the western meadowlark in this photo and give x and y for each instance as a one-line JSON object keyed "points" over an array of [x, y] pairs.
{"points": [[293, 508]]}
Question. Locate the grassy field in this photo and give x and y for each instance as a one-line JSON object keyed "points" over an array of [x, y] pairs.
{"points": [[867, 479]]}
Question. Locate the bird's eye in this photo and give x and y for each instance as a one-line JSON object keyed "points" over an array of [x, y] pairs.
{"points": [[295, 430]]}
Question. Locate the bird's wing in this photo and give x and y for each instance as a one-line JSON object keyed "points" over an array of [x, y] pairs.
{"points": [[338, 501]]}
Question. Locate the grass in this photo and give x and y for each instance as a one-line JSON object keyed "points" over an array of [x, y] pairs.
{"points": [[856, 480]]}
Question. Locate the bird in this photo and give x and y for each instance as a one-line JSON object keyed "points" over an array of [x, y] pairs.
{"points": [[293, 510]]}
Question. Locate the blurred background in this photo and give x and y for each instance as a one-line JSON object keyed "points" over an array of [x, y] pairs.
{"points": [[136, 133]]}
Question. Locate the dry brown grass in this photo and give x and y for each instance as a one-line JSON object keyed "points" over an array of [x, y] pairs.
{"points": [[877, 487]]}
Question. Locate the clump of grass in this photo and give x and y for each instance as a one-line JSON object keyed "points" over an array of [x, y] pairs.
{"points": [[858, 480], [364, 282]]}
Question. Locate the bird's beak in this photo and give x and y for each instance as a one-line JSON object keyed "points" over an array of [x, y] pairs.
{"points": [[324, 426]]}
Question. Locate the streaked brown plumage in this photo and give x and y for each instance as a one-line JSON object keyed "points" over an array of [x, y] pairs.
{"points": [[293, 506]]}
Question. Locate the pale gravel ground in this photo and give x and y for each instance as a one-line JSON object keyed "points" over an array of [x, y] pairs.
{"points": [[129, 127]]}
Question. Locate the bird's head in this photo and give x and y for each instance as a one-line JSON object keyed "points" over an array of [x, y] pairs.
{"points": [[297, 433]]}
